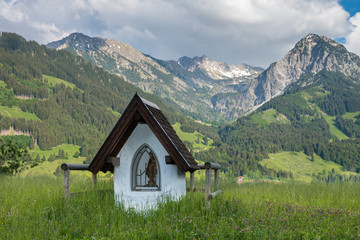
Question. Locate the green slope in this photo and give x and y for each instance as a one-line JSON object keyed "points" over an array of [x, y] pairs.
{"points": [[301, 165], [269, 116], [16, 112], [67, 148], [336, 133], [352, 115], [52, 81], [52, 169], [195, 138]]}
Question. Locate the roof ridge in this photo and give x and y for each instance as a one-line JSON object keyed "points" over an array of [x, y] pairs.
{"points": [[147, 102]]}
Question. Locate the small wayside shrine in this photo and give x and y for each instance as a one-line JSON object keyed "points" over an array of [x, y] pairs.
{"points": [[147, 157], [145, 154]]}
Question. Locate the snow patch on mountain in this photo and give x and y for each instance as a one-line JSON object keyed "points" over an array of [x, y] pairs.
{"points": [[217, 70]]}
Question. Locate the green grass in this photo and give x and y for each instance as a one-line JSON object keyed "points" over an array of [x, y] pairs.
{"points": [[52, 169], [351, 115], [34, 208], [301, 165], [334, 131], [192, 138], [68, 148], [269, 116], [53, 81], [16, 112]]}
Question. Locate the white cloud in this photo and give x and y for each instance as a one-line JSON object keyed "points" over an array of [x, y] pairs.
{"points": [[10, 11], [257, 32], [353, 39], [49, 31], [132, 34]]}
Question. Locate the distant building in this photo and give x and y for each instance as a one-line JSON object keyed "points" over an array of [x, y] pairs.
{"points": [[240, 180]]}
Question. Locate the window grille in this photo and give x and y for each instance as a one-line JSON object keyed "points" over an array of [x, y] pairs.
{"points": [[145, 170]]}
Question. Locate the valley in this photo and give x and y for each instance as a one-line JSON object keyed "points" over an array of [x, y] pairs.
{"points": [[58, 100]]}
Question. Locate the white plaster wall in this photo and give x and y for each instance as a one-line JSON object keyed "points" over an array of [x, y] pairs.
{"points": [[172, 179]]}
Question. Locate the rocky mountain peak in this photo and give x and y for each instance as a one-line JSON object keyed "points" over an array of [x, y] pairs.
{"points": [[314, 44], [311, 54], [84, 45], [78, 41]]}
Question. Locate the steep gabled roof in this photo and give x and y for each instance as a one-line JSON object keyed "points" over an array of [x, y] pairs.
{"points": [[138, 111]]}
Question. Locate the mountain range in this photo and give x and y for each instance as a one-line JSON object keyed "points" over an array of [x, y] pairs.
{"points": [[220, 91], [186, 81]]}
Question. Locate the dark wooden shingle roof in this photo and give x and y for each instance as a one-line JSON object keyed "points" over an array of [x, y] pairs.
{"points": [[142, 111]]}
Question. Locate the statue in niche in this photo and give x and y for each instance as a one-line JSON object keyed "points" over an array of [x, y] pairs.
{"points": [[151, 171]]}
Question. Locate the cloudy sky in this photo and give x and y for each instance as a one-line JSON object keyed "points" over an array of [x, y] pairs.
{"points": [[257, 32]]}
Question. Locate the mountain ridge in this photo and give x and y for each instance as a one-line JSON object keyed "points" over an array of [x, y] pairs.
{"points": [[184, 81], [221, 91]]}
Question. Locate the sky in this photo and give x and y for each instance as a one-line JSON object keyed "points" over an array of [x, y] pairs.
{"points": [[256, 32]]}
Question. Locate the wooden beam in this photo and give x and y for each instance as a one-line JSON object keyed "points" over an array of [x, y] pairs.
{"points": [[169, 160], [209, 165], [80, 167], [113, 160], [192, 181], [66, 183]]}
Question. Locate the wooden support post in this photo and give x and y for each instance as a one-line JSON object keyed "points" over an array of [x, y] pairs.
{"points": [[93, 180], [66, 183], [216, 179], [207, 186], [192, 181]]}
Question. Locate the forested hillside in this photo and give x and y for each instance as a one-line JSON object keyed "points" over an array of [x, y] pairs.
{"points": [[59, 98], [297, 121]]}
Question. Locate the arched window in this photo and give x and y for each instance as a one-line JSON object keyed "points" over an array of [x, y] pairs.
{"points": [[145, 170]]}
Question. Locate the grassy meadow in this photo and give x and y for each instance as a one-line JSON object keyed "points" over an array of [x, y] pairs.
{"points": [[16, 112], [301, 165], [269, 116], [70, 149], [351, 115], [335, 132], [35, 208], [52, 81], [195, 138]]}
